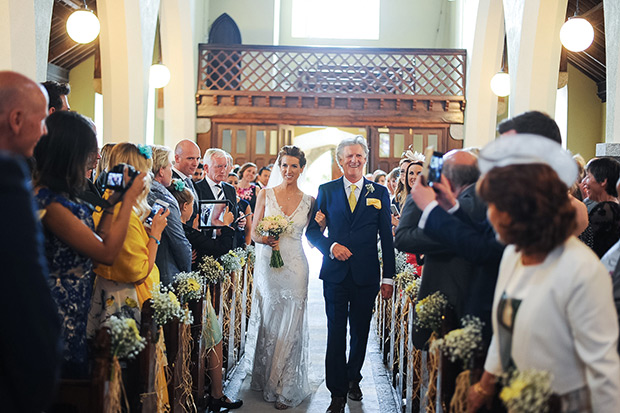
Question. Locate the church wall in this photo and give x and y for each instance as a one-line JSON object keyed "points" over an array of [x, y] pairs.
{"points": [[585, 114], [82, 96]]}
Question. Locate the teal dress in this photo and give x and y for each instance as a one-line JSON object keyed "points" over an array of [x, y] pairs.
{"points": [[71, 280]]}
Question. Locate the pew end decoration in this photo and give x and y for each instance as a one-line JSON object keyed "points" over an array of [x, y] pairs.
{"points": [[430, 311], [211, 270]]}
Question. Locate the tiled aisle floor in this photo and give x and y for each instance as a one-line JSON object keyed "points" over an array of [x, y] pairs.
{"points": [[378, 396]]}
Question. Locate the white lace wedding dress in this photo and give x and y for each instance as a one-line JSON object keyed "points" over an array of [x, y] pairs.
{"points": [[279, 323]]}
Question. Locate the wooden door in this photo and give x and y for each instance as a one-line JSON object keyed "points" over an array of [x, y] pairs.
{"points": [[248, 143], [388, 144]]}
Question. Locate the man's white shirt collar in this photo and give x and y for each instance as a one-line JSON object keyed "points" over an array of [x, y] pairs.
{"points": [[181, 174], [357, 184]]}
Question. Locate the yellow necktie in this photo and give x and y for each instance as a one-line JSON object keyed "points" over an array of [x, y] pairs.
{"points": [[352, 199]]}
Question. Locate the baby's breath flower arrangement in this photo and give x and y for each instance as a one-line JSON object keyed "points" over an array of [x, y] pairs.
{"points": [[274, 226], [401, 261], [430, 310], [211, 270], [242, 254], [250, 254], [412, 289], [462, 343], [125, 337], [166, 306], [231, 262], [406, 276], [527, 391], [189, 286]]}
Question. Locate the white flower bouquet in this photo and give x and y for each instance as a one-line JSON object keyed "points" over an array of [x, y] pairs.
{"points": [[412, 289], [274, 226], [401, 261], [232, 262], [430, 310], [189, 286], [462, 343], [166, 306], [527, 391], [211, 270], [125, 337]]}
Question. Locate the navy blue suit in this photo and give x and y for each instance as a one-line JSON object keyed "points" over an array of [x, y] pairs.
{"points": [[30, 342], [350, 287]]}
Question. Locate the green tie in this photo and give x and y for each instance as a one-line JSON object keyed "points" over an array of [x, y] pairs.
{"points": [[352, 199]]}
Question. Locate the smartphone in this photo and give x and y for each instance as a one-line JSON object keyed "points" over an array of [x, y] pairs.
{"points": [[240, 217], [434, 168], [394, 209], [159, 204]]}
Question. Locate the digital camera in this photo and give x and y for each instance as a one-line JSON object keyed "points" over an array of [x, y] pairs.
{"points": [[115, 178]]}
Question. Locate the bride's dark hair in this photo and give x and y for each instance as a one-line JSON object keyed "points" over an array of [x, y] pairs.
{"points": [[291, 150]]}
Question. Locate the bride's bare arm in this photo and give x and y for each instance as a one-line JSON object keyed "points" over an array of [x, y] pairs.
{"points": [[259, 214]]}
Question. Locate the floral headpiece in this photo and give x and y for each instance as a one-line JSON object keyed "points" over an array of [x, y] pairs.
{"points": [[413, 156], [179, 185], [145, 151]]}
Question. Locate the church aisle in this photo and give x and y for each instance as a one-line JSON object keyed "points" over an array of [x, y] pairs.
{"points": [[378, 395]]}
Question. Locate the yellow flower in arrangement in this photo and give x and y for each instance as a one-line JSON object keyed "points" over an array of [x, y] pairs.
{"points": [[429, 311], [192, 285], [514, 390], [109, 302], [526, 391], [131, 323], [131, 302], [173, 298]]}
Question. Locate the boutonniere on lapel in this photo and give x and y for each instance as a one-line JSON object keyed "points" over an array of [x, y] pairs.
{"points": [[370, 188]]}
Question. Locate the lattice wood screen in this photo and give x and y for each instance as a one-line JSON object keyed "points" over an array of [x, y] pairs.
{"points": [[332, 71]]}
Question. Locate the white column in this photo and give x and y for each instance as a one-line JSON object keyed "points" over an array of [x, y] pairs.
{"points": [[612, 50], [126, 45], [484, 21], [25, 33], [533, 31], [178, 54]]}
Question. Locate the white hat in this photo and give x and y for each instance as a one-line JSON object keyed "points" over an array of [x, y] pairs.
{"points": [[527, 149]]}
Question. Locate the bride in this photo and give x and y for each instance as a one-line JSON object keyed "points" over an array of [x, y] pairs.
{"points": [[279, 321]]}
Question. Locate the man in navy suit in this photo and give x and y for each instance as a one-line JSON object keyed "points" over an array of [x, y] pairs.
{"points": [[356, 211], [30, 341]]}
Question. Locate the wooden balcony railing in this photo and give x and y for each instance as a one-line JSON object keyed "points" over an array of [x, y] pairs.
{"points": [[287, 77]]}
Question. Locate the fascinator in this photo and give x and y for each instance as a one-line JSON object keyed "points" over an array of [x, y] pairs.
{"points": [[145, 151], [529, 149], [412, 156], [179, 185]]}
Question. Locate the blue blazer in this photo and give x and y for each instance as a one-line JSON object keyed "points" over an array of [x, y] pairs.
{"points": [[355, 230]]}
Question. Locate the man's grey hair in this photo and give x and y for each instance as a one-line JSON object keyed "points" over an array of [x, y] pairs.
{"points": [[211, 153], [350, 141], [461, 175]]}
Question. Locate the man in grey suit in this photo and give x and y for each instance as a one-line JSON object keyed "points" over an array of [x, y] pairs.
{"points": [[444, 270]]}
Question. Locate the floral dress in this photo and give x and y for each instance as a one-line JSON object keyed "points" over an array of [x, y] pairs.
{"points": [[249, 195], [71, 283]]}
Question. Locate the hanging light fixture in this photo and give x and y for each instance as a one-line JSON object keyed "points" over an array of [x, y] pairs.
{"points": [[159, 76], [500, 82], [83, 26], [577, 33]]}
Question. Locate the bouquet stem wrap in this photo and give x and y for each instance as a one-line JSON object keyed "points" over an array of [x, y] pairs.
{"points": [[276, 258]]}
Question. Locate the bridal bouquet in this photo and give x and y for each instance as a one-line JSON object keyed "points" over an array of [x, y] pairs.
{"points": [[274, 225], [462, 343], [527, 391], [125, 337], [430, 310]]}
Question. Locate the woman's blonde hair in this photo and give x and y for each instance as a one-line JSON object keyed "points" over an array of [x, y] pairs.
{"points": [[129, 153], [104, 162], [162, 156]]}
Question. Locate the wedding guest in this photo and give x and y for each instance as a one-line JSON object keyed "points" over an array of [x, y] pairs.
{"points": [[57, 93], [199, 173], [603, 229], [391, 181], [263, 177], [205, 245], [122, 287], [244, 206], [71, 243], [379, 177], [174, 254], [246, 189], [102, 166], [30, 338], [553, 296]]}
